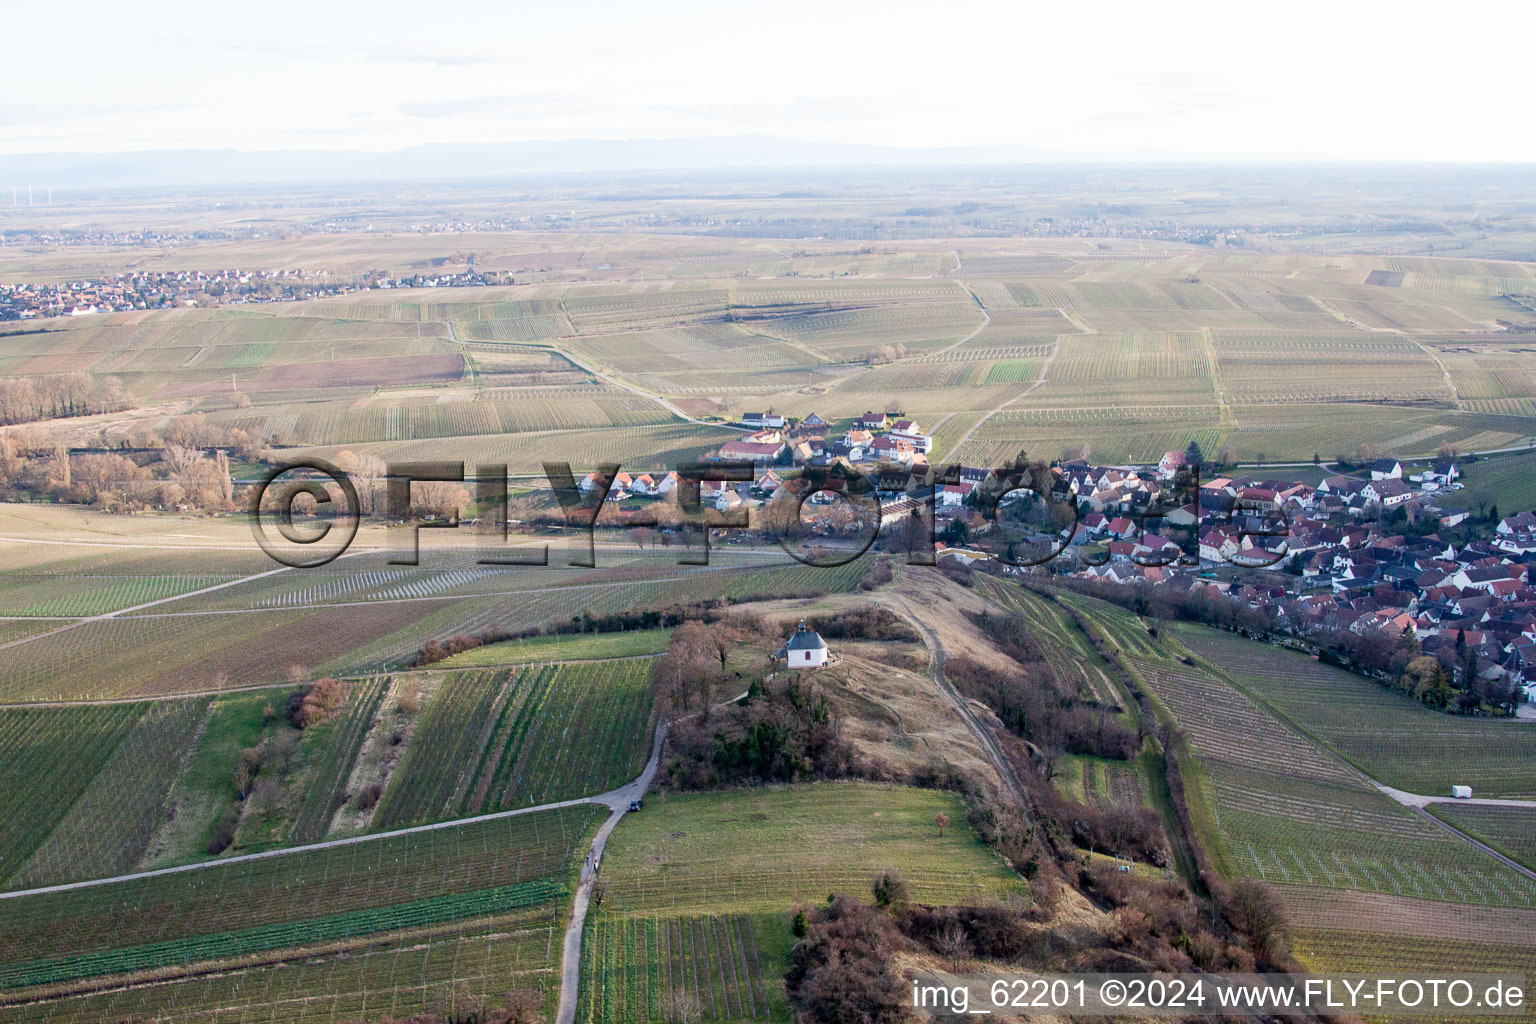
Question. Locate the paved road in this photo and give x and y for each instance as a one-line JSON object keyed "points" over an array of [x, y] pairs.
{"points": [[618, 802], [1408, 799]]}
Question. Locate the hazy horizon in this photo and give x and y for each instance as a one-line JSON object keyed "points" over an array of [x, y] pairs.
{"points": [[1326, 82]]}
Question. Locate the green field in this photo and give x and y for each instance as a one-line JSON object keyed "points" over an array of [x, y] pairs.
{"points": [[1278, 807], [1508, 481], [568, 647], [48, 758], [340, 899], [693, 903]]}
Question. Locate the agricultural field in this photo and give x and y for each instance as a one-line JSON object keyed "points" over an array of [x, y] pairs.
{"points": [[567, 647], [1280, 808], [691, 903], [1508, 481], [349, 904], [1390, 737], [1510, 830], [48, 758], [495, 740], [646, 350], [360, 615], [1099, 782], [1133, 353]]}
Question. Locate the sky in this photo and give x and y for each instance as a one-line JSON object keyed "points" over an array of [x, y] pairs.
{"points": [[1338, 80]]}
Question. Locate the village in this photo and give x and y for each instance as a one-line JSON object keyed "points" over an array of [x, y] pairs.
{"points": [[189, 289], [1380, 555]]}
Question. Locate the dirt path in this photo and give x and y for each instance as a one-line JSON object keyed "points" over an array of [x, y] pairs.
{"points": [[1044, 367], [986, 318], [983, 734]]}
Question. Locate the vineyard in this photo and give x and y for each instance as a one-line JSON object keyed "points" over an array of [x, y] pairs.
{"points": [[1510, 830], [634, 967], [339, 744], [48, 758], [357, 890], [567, 647], [494, 740], [1117, 350], [110, 824], [693, 907], [1389, 953], [1283, 810], [1391, 738]]}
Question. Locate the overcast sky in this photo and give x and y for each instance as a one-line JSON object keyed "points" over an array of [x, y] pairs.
{"points": [[1341, 79]]}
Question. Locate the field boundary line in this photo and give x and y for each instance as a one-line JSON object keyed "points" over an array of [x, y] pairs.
{"points": [[291, 850]]}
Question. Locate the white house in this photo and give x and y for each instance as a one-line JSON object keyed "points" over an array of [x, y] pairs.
{"points": [[1169, 465], [762, 419], [806, 649], [1386, 469], [1440, 472], [912, 434], [1387, 491]]}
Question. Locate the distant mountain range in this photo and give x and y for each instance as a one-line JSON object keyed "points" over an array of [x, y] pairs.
{"points": [[766, 154]]}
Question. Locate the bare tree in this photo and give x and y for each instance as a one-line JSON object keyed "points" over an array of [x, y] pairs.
{"points": [[951, 943], [683, 1007]]}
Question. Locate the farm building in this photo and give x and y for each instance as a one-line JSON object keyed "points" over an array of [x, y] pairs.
{"points": [[805, 649]]}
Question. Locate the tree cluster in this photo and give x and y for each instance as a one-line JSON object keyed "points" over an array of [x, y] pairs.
{"points": [[1033, 702], [29, 399], [782, 731], [842, 972]]}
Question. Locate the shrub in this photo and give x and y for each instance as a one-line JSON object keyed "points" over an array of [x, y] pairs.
{"points": [[222, 834], [863, 624], [878, 575], [316, 703], [890, 889]]}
